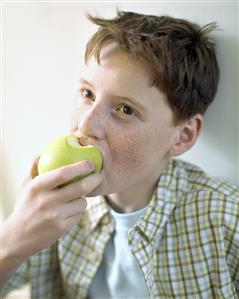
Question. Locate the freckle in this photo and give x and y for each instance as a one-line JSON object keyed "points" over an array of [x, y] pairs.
{"points": [[131, 155]]}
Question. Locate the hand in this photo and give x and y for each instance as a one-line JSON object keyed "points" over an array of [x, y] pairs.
{"points": [[45, 209]]}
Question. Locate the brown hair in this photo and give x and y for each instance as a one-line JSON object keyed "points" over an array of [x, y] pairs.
{"points": [[179, 53]]}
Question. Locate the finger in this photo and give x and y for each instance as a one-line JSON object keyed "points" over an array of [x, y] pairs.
{"points": [[62, 175], [77, 189], [73, 208], [71, 221]]}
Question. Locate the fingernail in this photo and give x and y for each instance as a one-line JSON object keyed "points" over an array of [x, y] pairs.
{"points": [[90, 165], [84, 203]]}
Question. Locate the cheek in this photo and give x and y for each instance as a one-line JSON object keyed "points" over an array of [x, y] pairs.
{"points": [[130, 151], [143, 149]]}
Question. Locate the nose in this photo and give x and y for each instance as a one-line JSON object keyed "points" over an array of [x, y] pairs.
{"points": [[90, 123]]}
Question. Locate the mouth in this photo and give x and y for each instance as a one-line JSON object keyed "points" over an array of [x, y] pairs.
{"points": [[78, 141]]}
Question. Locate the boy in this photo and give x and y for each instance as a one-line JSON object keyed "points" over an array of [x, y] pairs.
{"points": [[148, 226]]}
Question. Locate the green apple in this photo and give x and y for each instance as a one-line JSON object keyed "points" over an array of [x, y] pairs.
{"points": [[67, 150]]}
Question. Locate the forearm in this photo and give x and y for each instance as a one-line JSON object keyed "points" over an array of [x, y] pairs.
{"points": [[10, 256]]}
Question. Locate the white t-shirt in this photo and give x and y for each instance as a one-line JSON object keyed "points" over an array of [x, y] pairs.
{"points": [[119, 275]]}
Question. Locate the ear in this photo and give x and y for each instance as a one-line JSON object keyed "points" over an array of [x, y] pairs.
{"points": [[187, 135]]}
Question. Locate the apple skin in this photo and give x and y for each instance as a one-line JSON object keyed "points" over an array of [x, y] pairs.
{"points": [[67, 150]]}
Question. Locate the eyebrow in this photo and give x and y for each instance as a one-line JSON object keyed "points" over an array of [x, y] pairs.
{"points": [[124, 98]]}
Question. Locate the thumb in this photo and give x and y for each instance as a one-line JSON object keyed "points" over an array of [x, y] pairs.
{"points": [[33, 168], [32, 171]]}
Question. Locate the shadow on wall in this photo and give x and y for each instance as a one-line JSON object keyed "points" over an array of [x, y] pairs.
{"points": [[217, 151], [222, 120]]}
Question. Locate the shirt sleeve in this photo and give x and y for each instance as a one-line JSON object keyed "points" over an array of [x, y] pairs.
{"points": [[17, 280], [231, 238]]}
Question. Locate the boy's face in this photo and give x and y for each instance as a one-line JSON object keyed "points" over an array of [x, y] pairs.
{"points": [[129, 120]]}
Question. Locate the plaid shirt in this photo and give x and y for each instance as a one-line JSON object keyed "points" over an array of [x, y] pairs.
{"points": [[187, 243]]}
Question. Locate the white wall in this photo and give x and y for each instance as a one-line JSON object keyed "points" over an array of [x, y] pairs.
{"points": [[42, 48]]}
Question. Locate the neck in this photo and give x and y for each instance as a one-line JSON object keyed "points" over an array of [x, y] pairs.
{"points": [[137, 196], [134, 198]]}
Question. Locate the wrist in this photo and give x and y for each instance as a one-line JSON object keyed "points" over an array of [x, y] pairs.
{"points": [[10, 244]]}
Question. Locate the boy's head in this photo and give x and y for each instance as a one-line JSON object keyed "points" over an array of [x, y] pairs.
{"points": [[146, 83], [179, 54]]}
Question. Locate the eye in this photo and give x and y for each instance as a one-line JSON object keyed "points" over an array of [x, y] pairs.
{"points": [[127, 110], [87, 93]]}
